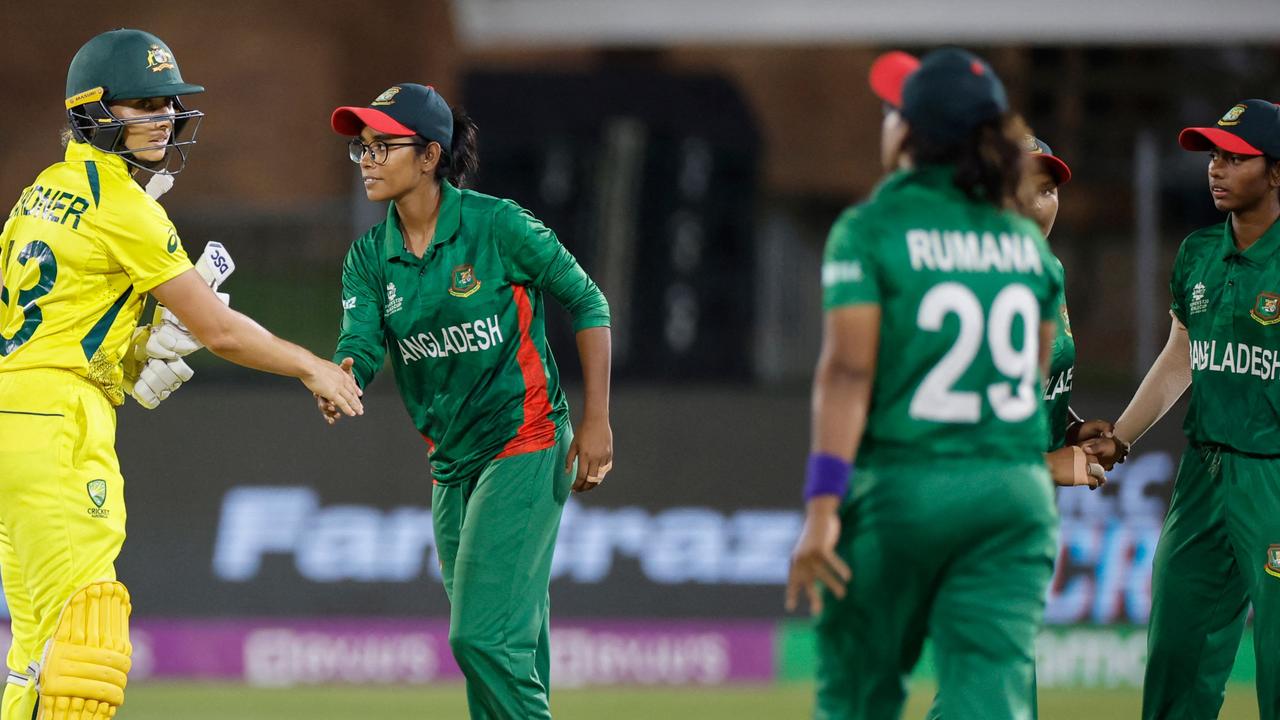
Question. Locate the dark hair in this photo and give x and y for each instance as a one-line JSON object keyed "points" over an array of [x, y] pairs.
{"points": [[988, 161], [461, 160]]}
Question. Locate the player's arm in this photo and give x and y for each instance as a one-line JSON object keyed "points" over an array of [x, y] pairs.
{"points": [[237, 338], [1168, 378], [532, 255], [360, 346], [841, 399]]}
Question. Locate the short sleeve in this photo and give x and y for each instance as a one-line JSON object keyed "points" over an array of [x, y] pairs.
{"points": [[850, 268], [137, 233]]}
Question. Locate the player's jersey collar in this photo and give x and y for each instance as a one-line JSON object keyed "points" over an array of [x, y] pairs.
{"points": [[447, 223], [82, 152], [1260, 252]]}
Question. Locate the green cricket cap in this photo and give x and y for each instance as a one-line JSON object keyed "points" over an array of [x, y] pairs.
{"points": [[123, 65]]}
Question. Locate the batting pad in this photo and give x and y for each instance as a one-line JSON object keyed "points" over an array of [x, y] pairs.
{"points": [[86, 663]]}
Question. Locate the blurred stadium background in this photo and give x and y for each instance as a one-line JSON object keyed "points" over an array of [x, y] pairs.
{"points": [[692, 154]]}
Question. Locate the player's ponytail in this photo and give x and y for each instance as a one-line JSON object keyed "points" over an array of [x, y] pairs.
{"points": [[462, 160], [988, 162]]}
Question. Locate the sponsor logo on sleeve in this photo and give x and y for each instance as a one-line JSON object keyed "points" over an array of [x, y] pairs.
{"points": [[348, 303], [838, 272]]}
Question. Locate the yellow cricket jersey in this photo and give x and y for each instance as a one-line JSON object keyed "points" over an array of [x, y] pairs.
{"points": [[79, 251]]}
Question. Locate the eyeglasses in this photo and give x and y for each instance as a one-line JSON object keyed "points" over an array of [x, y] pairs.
{"points": [[377, 149]]}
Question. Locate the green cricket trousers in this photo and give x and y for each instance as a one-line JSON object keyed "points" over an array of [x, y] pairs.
{"points": [[1219, 550], [960, 553], [495, 536]]}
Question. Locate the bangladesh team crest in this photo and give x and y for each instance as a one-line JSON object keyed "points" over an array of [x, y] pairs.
{"points": [[388, 97], [1273, 561], [1233, 116], [464, 281], [97, 492], [1266, 309]]}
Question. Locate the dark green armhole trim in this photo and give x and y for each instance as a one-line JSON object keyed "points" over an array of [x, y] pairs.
{"points": [[91, 170], [98, 332]]}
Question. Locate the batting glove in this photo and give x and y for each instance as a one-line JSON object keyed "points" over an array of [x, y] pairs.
{"points": [[158, 379]]}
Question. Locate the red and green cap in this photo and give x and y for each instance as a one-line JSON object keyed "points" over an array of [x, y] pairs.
{"points": [[889, 73], [1251, 127], [952, 92], [1054, 165], [404, 109]]}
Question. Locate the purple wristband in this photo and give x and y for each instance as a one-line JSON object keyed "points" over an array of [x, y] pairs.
{"points": [[826, 475]]}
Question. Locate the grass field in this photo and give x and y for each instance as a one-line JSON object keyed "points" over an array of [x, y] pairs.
{"points": [[164, 701]]}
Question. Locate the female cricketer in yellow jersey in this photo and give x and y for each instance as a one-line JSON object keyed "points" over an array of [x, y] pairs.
{"points": [[79, 251]]}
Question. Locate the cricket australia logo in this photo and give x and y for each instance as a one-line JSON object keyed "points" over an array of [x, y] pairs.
{"points": [[1273, 561], [1198, 301], [464, 281], [97, 490], [394, 302], [1266, 309], [159, 58]]}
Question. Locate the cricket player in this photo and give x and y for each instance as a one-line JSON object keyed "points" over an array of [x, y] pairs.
{"points": [[1220, 547], [941, 307], [1037, 198], [451, 287], [79, 252]]}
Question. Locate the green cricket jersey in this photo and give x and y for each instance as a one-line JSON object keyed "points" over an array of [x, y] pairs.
{"points": [[464, 327], [963, 288], [1062, 368], [1229, 302]]}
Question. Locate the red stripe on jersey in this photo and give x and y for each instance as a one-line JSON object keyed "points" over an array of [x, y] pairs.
{"points": [[431, 450], [536, 432]]}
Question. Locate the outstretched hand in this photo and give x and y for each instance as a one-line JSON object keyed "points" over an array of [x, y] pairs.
{"points": [[1098, 439], [1071, 466], [336, 390]]}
